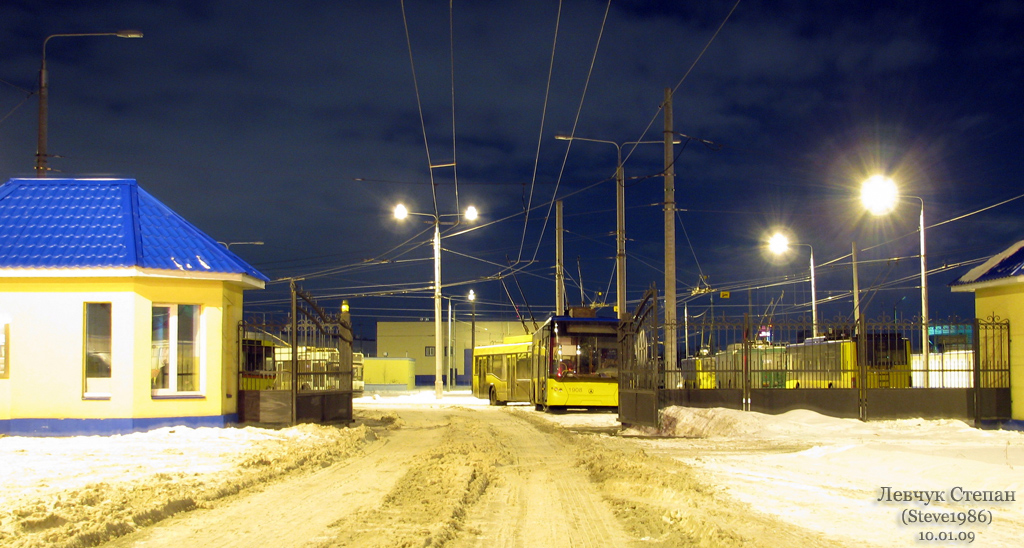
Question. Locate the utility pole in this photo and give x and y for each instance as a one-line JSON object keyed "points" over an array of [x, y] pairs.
{"points": [[559, 262], [670, 237], [856, 288]]}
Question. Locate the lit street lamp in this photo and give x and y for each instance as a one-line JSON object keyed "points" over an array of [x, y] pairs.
{"points": [[879, 195], [41, 153], [620, 217], [778, 244], [471, 214]]}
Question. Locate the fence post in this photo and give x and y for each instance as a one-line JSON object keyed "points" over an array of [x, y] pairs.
{"points": [[976, 370], [746, 361], [862, 375], [295, 354]]}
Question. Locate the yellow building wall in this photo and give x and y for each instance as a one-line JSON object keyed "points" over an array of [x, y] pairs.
{"points": [[1007, 302], [410, 340], [46, 373]]}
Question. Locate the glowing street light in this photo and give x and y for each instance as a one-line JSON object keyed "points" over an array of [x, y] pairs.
{"points": [[401, 212], [779, 244], [879, 195], [41, 153]]}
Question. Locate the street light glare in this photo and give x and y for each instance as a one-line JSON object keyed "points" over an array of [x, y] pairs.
{"points": [[879, 194], [471, 213], [401, 212], [778, 243], [472, 295]]}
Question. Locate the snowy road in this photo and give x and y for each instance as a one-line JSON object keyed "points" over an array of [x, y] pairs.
{"points": [[458, 473], [476, 477]]}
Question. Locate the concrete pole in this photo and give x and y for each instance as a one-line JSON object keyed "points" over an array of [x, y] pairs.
{"points": [[559, 262], [924, 304], [438, 340], [450, 354], [856, 287], [814, 298], [620, 241], [670, 237]]}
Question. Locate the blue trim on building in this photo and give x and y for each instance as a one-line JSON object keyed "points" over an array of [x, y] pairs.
{"points": [[106, 427], [1008, 424], [428, 380]]}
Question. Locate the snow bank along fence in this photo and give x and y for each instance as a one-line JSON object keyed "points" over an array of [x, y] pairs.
{"points": [[298, 369], [867, 369]]}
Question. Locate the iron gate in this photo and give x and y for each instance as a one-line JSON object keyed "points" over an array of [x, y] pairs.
{"points": [[641, 372], [298, 369]]}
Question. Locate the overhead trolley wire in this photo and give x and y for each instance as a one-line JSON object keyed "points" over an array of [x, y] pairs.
{"points": [[575, 123], [419, 106], [528, 200]]}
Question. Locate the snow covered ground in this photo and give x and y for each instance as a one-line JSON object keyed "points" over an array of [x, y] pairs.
{"points": [[818, 472]]}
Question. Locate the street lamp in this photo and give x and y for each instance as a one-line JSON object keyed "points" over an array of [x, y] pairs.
{"points": [[401, 212], [879, 195], [620, 217], [227, 245], [44, 93], [778, 244]]}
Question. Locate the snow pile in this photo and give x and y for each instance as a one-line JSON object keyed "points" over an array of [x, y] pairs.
{"points": [[87, 489]]}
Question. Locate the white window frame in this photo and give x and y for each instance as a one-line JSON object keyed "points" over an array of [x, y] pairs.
{"points": [[96, 388], [172, 367]]}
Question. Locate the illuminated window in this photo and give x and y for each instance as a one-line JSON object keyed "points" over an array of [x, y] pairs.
{"points": [[97, 350], [175, 365], [5, 336]]}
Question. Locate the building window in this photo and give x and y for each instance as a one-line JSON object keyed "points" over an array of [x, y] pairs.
{"points": [[97, 350], [5, 352], [430, 351], [176, 349]]}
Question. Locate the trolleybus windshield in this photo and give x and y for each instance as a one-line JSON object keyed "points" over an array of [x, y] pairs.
{"points": [[584, 356]]}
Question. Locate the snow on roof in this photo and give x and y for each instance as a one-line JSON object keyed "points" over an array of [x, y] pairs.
{"points": [[103, 223], [1007, 264]]}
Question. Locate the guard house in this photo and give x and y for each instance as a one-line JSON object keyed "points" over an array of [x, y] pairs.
{"points": [[116, 314], [998, 287]]}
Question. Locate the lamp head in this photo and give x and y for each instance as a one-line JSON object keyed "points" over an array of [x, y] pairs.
{"points": [[879, 194], [401, 212], [472, 295], [471, 213], [778, 243], [129, 34]]}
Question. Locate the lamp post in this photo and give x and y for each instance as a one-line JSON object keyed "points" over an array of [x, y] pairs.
{"points": [[778, 244], [44, 93], [472, 329], [879, 195], [401, 213]]}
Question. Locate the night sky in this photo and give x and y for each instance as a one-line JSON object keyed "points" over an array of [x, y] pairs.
{"points": [[302, 123]]}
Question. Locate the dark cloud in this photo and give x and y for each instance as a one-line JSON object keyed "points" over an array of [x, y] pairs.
{"points": [[297, 123]]}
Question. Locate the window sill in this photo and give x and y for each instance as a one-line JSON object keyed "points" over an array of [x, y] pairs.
{"points": [[101, 396], [178, 396]]}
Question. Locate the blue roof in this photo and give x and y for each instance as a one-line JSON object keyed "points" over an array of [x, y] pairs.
{"points": [[1008, 264], [102, 223]]}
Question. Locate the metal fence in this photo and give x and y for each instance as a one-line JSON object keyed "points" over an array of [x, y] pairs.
{"points": [[296, 370], [874, 368]]}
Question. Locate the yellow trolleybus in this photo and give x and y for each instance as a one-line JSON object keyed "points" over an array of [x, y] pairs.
{"points": [[501, 372], [575, 363]]}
